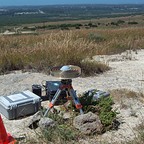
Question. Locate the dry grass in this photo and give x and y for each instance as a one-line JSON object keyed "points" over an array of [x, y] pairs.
{"points": [[139, 138], [65, 47], [122, 94]]}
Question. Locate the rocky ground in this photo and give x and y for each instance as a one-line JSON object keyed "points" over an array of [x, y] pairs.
{"points": [[127, 71]]}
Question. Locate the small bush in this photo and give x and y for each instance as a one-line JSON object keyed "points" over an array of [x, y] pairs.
{"points": [[114, 23], [133, 22], [107, 116], [93, 68], [56, 117], [62, 133], [102, 106], [120, 22], [59, 134], [77, 27], [90, 24]]}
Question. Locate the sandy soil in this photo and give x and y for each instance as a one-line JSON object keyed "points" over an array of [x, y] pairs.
{"points": [[127, 71]]}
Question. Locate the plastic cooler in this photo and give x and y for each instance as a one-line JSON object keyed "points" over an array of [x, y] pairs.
{"points": [[20, 104]]}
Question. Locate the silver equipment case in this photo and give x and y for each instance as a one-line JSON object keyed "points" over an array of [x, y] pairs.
{"points": [[19, 105]]}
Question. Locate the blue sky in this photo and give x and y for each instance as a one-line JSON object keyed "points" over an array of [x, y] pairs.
{"points": [[51, 2]]}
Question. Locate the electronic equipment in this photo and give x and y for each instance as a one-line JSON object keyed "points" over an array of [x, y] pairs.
{"points": [[66, 74], [59, 92]]}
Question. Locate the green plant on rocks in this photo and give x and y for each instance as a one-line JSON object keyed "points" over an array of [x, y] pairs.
{"points": [[101, 106], [60, 134]]}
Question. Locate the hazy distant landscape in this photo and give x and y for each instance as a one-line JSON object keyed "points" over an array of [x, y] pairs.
{"points": [[36, 14]]}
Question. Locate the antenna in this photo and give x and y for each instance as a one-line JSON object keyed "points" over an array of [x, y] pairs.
{"points": [[66, 74]]}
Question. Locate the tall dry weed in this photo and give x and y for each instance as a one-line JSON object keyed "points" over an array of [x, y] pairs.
{"points": [[66, 47]]}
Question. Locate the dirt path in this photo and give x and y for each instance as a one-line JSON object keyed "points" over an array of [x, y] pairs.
{"points": [[127, 72]]}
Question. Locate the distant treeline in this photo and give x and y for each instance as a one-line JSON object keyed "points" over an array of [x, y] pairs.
{"points": [[12, 16], [67, 26]]}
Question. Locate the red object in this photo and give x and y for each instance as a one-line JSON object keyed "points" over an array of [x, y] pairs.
{"points": [[5, 138], [50, 105], [78, 106]]}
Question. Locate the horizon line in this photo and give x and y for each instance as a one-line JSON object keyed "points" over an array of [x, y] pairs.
{"points": [[73, 4]]}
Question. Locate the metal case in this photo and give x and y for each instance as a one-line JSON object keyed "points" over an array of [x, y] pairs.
{"points": [[19, 105], [51, 89]]}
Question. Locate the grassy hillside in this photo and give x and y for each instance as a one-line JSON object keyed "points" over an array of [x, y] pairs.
{"points": [[66, 47]]}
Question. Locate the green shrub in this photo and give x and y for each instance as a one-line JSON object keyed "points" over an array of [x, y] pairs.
{"points": [[77, 27], [106, 114], [56, 117], [102, 106], [133, 22], [59, 134], [90, 24], [120, 22], [114, 23]]}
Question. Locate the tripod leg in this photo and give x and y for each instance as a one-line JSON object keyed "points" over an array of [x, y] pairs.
{"points": [[76, 100], [53, 101]]}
